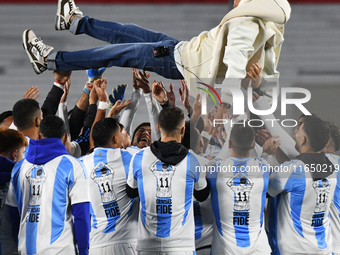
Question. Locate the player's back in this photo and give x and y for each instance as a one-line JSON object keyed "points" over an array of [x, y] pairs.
{"points": [[238, 196], [166, 221], [114, 214], [43, 195], [335, 207], [303, 208]]}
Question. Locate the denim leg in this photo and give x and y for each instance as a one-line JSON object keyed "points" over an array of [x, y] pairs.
{"points": [[114, 33], [138, 55]]}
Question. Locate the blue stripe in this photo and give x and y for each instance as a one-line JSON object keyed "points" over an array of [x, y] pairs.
{"points": [[192, 162], [132, 201], [113, 214], [296, 185], [241, 231], [138, 175], [272, 224], [15, 176], [212, 179], [64, 176], [126, 158], [198, 220], [163, 219], [31, 231], [94, 218]]}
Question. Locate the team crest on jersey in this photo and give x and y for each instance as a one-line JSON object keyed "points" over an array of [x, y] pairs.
{"points": [[36, 176], [163, 173], [241, 185], [321, 188], [103, 176]]}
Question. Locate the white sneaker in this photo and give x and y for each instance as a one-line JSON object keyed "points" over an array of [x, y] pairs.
{"points": [[36, 50], [66, 8]]}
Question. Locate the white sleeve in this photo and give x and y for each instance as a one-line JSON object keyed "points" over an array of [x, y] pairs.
{"points": [[63, 114], [79, 189], [239, 47], [10, 198], [129, 112], [153, 110], [132, 180], [240, 43], [287, 143], [75, 149]]}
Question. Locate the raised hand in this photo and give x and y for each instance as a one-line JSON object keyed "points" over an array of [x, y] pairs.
{"points": [[184, 95], [32, 92]]}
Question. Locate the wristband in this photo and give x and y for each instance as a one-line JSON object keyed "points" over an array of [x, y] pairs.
{"points": [[205, 134], [86, 90], [61, 86], [103, 105]]}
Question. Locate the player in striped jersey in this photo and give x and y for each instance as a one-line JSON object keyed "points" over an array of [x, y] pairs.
{"points": [[50, 190], [165, 176], [307, 186], [114, 214], [330, 149], [238, 195]]}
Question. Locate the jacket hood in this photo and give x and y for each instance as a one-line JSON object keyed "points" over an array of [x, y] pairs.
{"points": [[277, 11], [170, 153], [317, 159], [44, 150]]}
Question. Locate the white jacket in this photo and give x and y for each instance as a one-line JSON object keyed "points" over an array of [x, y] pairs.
{"points": [[250, 33]]}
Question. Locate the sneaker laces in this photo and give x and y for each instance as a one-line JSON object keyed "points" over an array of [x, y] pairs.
{"points": [[41, 46], [73, 8]]}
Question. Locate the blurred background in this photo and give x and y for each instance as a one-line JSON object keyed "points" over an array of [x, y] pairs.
{"points": [[310, 56]]}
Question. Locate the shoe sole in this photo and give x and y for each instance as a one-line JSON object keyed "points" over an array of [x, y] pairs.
{"points": [[58, 18], [24, 40]]}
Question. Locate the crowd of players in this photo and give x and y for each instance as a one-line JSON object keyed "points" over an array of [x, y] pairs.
{"points": [[83, 182], [177, 187]]}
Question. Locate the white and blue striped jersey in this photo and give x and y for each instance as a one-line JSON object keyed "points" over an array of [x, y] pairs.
{"points": [[44, 195], [303, 207], [166, 218], [238, 197], [114, 214], [335, 206]]}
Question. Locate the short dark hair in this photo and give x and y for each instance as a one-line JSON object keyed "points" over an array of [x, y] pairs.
{"points": [[52, 126], [335, 134], [317, 132], [170, 118], [24, 113], [103, 131], [138, 127], [242, 138], [5, 115]]}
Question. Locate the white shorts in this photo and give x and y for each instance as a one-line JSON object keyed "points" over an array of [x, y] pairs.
{"points": [[116, 249]]}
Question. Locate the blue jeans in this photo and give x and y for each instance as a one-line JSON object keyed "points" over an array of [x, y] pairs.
{"points": [[130, 46]]}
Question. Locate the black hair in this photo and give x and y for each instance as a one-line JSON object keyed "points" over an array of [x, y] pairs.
{"points": [[138, 127], [24, 113], [103, 131], [52, 126], [317, 132], [5, 115], [335, 134], [170, 118], [242, 138]]}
